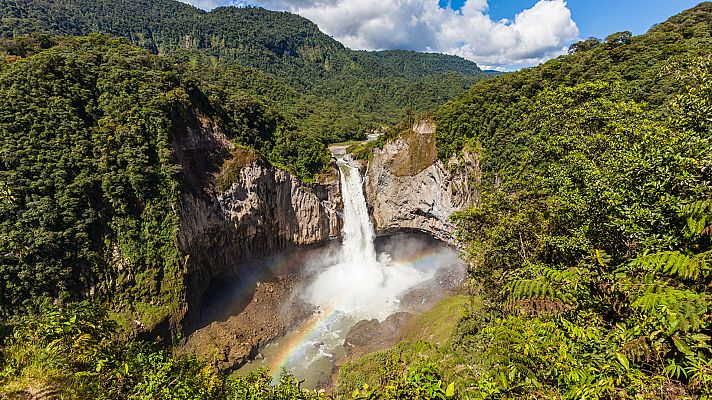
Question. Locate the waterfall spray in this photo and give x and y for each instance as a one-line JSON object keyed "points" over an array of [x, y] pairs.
{"points": [[360, 284]]}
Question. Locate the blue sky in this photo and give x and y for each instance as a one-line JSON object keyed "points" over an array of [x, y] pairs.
{"points": [[496, 34], [600, 18]]}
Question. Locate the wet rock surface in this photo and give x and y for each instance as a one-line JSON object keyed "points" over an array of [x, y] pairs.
{"points": [[259, 210], [368, 336], [270, 314], [371, 335], [447, 281]]}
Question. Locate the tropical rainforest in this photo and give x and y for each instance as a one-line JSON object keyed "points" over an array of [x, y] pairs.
{"points": [[589, 249], [335, 93]]}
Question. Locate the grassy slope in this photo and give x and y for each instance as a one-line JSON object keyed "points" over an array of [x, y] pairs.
{"points": [[425, 337]]}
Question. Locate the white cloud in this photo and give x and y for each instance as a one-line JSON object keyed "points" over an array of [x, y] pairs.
{"points": [[205, 4], [534, 35]]}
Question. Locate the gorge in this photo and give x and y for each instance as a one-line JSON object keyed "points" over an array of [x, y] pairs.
{"points": [[324, 292], [188, 211]]}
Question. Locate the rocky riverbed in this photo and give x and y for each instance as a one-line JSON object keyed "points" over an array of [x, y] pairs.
{"points": [[271, 312]]}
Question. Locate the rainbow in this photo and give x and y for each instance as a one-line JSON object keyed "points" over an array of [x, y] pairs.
{"points": [[304, 335], [422, 260], [294, 345], [243, 287]]}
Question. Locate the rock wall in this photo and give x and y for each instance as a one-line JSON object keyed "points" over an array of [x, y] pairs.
{"points": [[409, 189], [262, 211]]}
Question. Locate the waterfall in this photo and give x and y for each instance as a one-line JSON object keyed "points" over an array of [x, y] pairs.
{"points": [[361, 284], [355, 285], [358, 231]]}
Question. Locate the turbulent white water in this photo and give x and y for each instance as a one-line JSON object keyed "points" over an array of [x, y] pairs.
{"points": [[361, 284]]}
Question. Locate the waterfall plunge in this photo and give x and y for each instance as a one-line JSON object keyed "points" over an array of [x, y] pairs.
{"points": [[361, 283], [358, 284]]}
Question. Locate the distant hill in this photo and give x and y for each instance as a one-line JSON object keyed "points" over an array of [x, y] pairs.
{"points": [[284, 44], [336, 93], [643, 66]]}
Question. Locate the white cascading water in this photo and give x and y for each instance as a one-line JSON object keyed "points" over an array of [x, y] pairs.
{"points": [[361, 284]]}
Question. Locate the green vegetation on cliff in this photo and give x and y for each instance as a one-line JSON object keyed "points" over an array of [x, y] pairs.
{"points": [[590, 245], [593, 254], [88, 171], [337, 93], [86, 158]]}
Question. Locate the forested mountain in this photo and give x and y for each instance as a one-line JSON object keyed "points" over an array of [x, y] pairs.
{"points": [[357, 89], [589, 245], [645, 68], [88, 169], [281, 43]]}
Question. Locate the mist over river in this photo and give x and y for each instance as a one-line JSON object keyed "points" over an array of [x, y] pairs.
{"points": [[364, 278]]}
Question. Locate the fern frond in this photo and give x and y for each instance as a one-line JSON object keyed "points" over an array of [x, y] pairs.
{"points": [[530, 289], [537, 296], [674, 263], [682, 310], [637, 350], [697, 208], [699, 215], [571, 277]]}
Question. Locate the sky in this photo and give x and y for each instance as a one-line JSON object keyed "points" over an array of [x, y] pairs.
{"points": [[496, 34]]}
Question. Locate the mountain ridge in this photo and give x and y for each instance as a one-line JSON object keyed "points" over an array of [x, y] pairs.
{"points": [[335, 94], [167, 25]]}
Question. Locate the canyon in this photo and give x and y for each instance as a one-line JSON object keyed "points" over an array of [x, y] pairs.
{"points": [[234, 232]]}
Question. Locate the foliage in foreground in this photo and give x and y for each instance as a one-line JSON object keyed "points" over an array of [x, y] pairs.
{"points": [[591, 245], [70, 352], [410, 370]]}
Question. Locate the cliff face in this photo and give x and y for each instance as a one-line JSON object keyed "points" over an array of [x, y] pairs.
{"points": [[408, 188], [236, 207], [262, 210]]}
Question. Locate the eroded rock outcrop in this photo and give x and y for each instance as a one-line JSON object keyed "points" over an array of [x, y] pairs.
{"points": [[409, 188], [229, 344], [369, 336], [255, 209]]}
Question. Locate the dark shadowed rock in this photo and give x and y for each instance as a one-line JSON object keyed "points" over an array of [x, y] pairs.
{"points": [[271, 313], [371, 335]]}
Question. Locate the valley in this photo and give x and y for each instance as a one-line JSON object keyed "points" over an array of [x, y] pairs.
{"points": [[231, 204], [320, 295]]}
